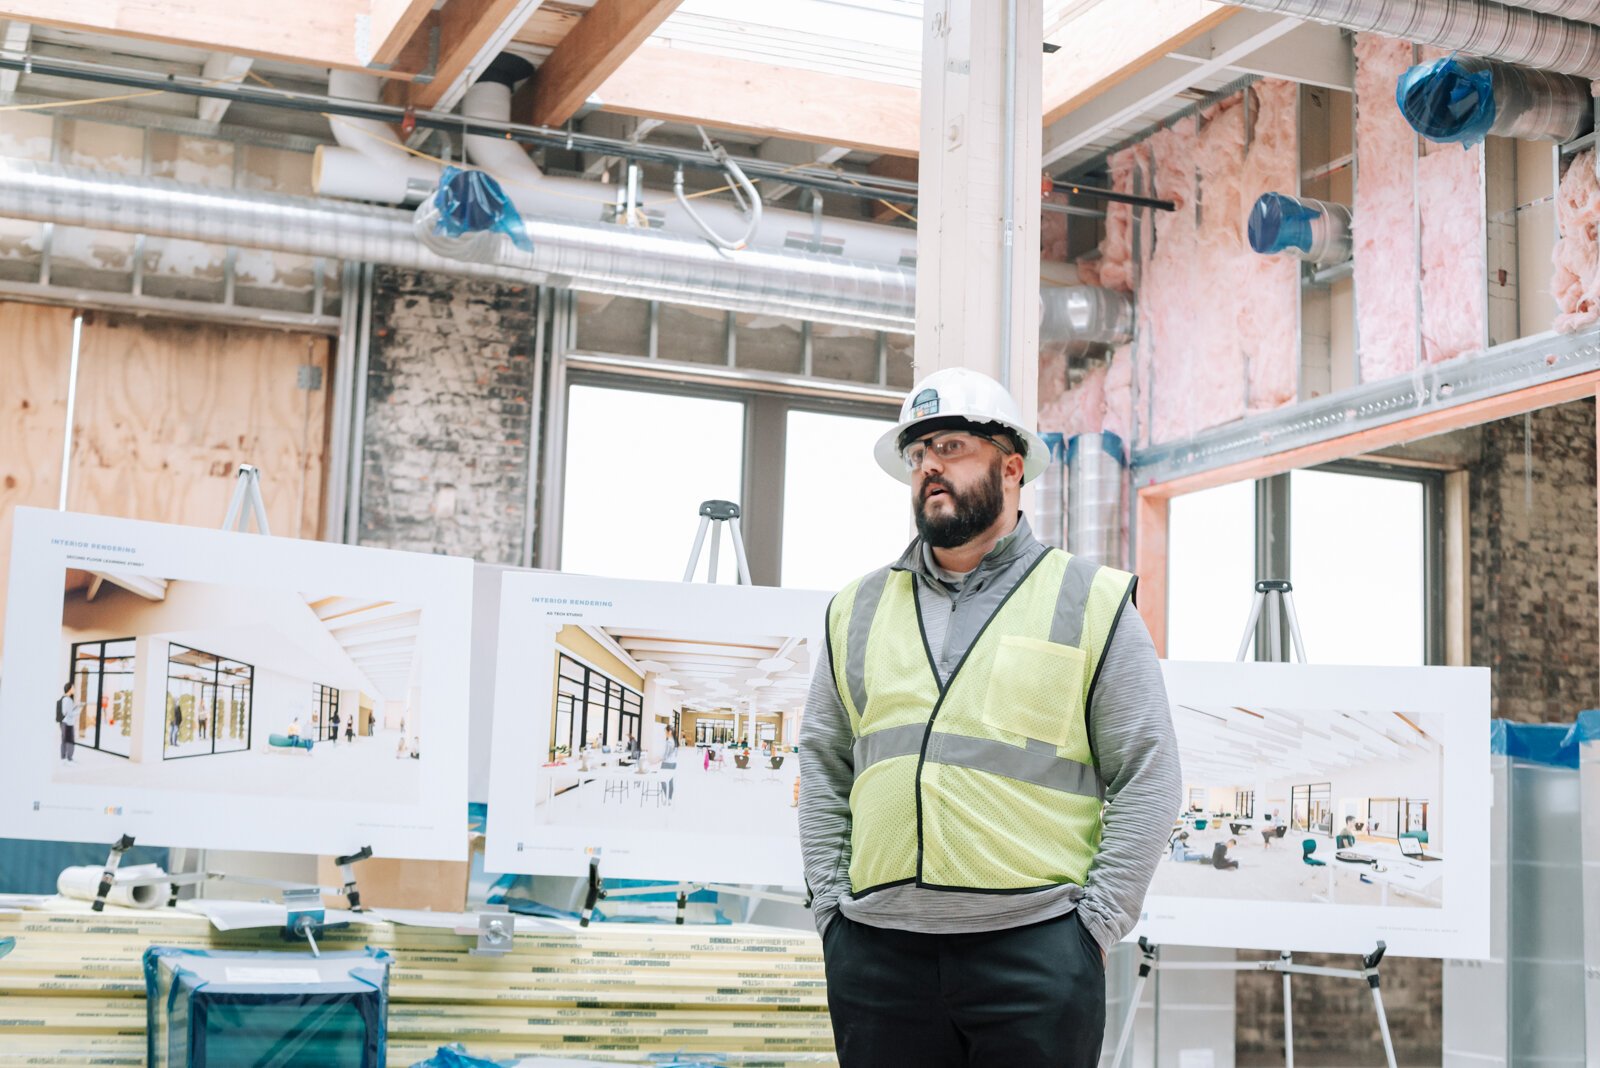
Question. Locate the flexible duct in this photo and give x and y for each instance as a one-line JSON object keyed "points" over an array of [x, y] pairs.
{"points": [[1463, 100], [371, 165], [1074, 320], [1478, 27], [1095, 465], [1316, 231], [591, 257]]}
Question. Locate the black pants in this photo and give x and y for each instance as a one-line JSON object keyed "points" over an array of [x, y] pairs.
{"points": [[67, 740], [1033, 995]]}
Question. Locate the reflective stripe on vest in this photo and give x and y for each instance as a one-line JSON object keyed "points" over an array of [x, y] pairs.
{"points": [[988, 782]]}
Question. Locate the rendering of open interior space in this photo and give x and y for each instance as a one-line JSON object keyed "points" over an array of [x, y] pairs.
{"points": [[674, 730], [237, 689], [1307, 805]]}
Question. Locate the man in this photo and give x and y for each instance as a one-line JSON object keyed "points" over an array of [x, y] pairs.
{"points": [[67, 717], [1219, 855], [979, 698], [177, 720]]}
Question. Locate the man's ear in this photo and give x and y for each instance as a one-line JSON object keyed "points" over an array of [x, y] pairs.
{"points": [[1015, 465]]}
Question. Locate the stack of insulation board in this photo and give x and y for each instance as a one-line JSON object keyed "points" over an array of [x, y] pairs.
{"points": [[72, 992]]}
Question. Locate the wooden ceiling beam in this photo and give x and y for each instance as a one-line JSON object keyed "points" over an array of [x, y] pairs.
{"points": [[393, 23], [733, 94], [592, 51], [469, 33], [1108, 43]]}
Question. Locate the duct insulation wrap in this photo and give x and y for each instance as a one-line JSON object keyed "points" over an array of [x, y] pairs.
{"points": [[1050, 502], [1476, 27], [1095, 466], [1315, 230], [590, 257], [1463, 100], [1077, 320]]}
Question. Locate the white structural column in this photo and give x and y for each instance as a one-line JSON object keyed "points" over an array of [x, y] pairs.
{"points": [[962, 250]]}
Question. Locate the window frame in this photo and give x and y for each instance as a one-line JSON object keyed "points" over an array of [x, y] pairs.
{"points": [[216, 686], [764, 450], [99, 681]]}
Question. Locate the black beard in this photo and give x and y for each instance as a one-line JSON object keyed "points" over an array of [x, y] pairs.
{"points": [[975, 511]]}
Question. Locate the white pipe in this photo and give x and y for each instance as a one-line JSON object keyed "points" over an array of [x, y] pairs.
{"points": [[370, 137], [350, 174], [1008, 190]]}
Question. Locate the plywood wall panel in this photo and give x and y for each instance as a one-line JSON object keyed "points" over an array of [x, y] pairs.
{"points": [[166, 412], [35, 365]]}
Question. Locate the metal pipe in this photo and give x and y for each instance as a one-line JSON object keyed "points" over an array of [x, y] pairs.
{"points": [[1075, 320], [1464, 99], [358, 408], [341, 443], [1517, 35], [1008, 192], [596, 257], [72, 405], [1581, 10]]}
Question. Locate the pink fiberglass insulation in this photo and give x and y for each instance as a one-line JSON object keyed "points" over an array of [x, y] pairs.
{"points": [[1217, 322], [1268, 320], [1576, 285], [1079, 410], [1455, 294], [1385, 245]]}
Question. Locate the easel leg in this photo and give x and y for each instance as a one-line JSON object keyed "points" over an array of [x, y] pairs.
{"points": [[1383, 1019], [1137, 996], [1288, 1016]]}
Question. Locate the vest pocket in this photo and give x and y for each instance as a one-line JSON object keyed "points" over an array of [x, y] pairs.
{"points": [[1036, 690]]}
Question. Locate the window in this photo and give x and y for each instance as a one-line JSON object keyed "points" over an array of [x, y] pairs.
{"points": [[1363, 544], [324, 710], [1357, 557], [102, 674], [208, 704], [1383, 817], [713, 731], [1211, 571], [842, 516], [1311, 807], [591, 708], [1244, 804], [638, 464]]}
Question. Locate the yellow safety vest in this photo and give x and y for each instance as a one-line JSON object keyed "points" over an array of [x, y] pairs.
{"points": [[989, 782]]}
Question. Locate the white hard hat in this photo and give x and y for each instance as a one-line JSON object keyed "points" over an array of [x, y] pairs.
{"points": [[960, 393]]}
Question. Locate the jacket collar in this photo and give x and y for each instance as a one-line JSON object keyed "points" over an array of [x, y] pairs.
{"points": [[1019, 544]]}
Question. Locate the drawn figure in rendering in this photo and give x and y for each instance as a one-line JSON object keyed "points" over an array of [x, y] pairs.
{"points": [[67, 717]]}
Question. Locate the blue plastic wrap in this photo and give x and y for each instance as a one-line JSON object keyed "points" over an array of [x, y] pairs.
{"points": [[455, 1056], [215, 1009], [1551, 744], [1587, 729], [471, 202], [1279, 222], [1445, 102], [7, 945]]}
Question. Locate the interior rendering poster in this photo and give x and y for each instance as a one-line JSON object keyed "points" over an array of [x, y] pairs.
{"points": [[192, 687], [654, 722], [1326, 808]]}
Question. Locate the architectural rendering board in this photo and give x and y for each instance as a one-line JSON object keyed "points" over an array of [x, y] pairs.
{"points": [[232, 690], [1326, 808], [655, 722]]}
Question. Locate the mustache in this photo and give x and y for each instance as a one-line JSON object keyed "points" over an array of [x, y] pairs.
{"points": [[934, 483]]}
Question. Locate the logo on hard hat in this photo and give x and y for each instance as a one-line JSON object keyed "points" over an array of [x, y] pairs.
{"points": [[926, 403]]}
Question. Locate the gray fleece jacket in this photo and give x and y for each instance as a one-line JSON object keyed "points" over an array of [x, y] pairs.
{"points": [[1130, 730]]}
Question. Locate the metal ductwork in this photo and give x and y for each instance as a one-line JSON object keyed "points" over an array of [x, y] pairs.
{"points": [[590, 257], [1462, 99], [1316, 231], [1075, 320], [1581, 10], [1096, 466], [1527, 38]]}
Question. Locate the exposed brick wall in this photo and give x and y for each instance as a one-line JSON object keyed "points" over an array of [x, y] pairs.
{"points": [[449, 389], [1334, 1021], [1536, 623], [1535, 580]]}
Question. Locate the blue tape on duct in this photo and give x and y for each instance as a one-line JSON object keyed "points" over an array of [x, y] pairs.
{"points": [[471, 202], [1111, 444], [1445, 102], [1587, 729], [286, 1010], [1057, 444], [1279, 222], [1550, 744]]}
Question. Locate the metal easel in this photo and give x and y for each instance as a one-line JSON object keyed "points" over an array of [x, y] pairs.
{"points": [[1276, 612], [719, 512]]}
